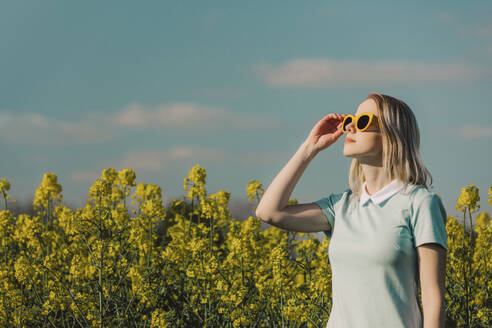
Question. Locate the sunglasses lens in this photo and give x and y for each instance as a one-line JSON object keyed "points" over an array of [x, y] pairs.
{"points": [[362, 122], [346, 122]]}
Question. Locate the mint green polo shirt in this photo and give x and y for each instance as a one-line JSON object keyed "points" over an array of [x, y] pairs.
{"points": [[373, 255]]}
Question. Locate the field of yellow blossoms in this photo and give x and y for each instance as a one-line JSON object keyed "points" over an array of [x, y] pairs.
{"points": [[192, 264]]}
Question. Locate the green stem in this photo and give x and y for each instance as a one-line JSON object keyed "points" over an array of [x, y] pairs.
{"points": [[149, 261], [100, 266], [281, 295], [5, 200], [191, 216], [465, 276], [211, 236], [472, 251]]}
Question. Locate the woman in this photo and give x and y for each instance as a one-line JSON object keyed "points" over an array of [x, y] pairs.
{"points": [[387, 231]]}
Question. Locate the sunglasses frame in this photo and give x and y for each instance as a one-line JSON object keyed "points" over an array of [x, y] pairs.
{"points": [[355, 119]]}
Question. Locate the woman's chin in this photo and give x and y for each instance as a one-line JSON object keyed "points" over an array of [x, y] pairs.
{"points": [[350, 154]]}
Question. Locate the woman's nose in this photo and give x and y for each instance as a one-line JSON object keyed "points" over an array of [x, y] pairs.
{"points": [[350, 127]]}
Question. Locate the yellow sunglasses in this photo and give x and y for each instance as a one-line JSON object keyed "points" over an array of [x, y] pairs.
{"points": [[362, 121]]}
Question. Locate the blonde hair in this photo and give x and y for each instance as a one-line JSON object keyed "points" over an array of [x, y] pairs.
{"points": [[401, 144]]}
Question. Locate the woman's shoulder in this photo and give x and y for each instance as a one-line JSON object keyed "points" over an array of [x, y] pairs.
{"points": [[418, 192], [339, 196], [344, 196]]}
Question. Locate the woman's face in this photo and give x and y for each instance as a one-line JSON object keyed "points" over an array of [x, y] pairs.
{"points": [[368, 145]]}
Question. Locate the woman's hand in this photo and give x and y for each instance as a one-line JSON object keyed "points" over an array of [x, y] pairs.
{"points": [[326, 131]]}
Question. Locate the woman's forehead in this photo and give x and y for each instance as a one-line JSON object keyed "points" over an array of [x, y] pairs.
{"points": [[367, 106], [360, 111]]}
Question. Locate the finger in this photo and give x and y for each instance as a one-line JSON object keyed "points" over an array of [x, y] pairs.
{"points": [[329, 116], [335, 117]]}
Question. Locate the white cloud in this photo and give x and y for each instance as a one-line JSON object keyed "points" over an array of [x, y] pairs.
{"points": [[479, 31], [35, 120], [479, 27], [35, 128], [188, 116], [181, 117], [467, 131], [341, 72], [475, 131]]}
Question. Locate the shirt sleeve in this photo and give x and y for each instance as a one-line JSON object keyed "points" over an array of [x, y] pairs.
{"points": [[429, 221], [327, 205]]}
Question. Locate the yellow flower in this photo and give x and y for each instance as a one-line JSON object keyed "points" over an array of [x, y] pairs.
{"points": [[23, 270], [468, 199], [126, 177], [490, 195], [196, 177], [482, 219], [254, 188], [4, 185], [48, 190]]}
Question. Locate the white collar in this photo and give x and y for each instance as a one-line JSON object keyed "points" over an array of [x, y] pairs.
{"points": [[382, 194]]}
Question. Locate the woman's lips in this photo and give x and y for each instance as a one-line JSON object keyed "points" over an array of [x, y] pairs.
{"points": [[347, 140]]}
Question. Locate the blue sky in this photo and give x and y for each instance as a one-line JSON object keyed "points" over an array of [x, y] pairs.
{"points": [[160, 86]]}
